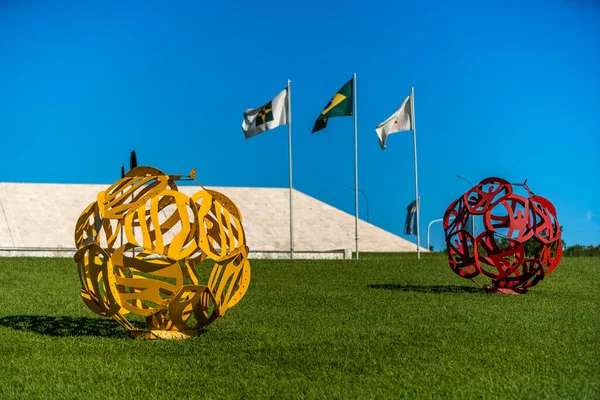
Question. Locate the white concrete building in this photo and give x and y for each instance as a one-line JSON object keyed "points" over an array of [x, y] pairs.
{"points": [[39, 220]]}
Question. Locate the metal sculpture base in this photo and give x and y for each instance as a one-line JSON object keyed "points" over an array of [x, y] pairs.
{"points": [[154, 334], [496, 290]]}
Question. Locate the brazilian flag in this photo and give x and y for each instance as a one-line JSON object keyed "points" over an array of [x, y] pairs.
{"points": [[339, 106]]}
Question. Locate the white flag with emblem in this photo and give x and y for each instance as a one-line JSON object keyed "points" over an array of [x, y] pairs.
{"points": [[269, 116], [399, 121]]}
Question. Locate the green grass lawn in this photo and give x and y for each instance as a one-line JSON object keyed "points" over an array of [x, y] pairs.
{"points": [[382, 327]]}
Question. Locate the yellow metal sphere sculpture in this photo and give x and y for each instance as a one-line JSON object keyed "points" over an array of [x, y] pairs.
{"points": [[139, 246]]}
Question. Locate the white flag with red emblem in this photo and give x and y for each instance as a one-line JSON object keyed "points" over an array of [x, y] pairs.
{"points": [[399, 121]]}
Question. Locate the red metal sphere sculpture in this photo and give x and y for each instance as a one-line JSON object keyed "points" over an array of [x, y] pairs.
{"points": [[520, 243]]}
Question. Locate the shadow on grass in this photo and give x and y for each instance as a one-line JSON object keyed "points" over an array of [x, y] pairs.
{"points": [[427, 288], [64, 326]]}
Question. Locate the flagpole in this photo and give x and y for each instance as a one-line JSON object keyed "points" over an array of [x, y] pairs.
{"points": [[122, 176], [417, 199], [355, 164], [289, 118]]}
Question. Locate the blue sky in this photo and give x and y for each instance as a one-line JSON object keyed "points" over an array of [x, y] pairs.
{"points": [[507, 88]]}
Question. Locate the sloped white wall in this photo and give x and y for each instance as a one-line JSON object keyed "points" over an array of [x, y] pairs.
{"points": [[44, 216]]}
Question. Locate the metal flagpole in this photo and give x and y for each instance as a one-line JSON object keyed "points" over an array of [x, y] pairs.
{"points": [[355, 164], [418, 200], [289, 121], [132, 165], [122, 176]]}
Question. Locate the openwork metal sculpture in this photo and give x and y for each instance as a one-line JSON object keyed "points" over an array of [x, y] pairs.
{"points": [[141, 248], [520, 243]]}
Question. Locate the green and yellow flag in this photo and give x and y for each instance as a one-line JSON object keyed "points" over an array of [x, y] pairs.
{"points": [[339, 106]]}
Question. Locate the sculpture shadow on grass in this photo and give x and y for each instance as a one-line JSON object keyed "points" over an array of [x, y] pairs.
{"points": [[427, 288], [64, 326]]}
